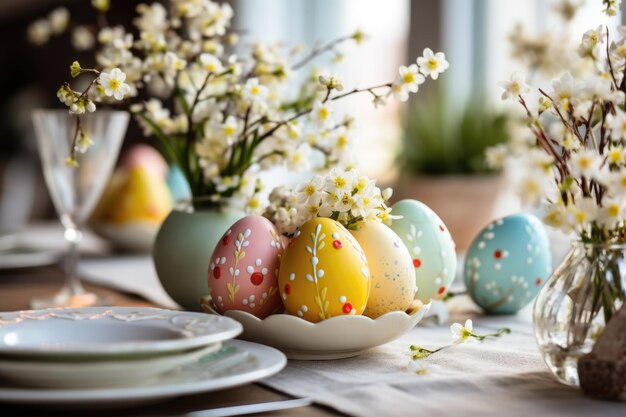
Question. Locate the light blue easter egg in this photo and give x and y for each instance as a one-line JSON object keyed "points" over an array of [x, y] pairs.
{"points": [[507, 264], [178, 185], [431, 247]]}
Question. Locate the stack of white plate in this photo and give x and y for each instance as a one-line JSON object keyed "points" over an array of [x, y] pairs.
{"points": [[124, 355]]}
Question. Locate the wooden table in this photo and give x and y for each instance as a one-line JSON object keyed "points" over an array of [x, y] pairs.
{"points": [[19, 286]]}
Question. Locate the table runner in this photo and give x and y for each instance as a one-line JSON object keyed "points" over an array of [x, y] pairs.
{"points": [[499, 377]]}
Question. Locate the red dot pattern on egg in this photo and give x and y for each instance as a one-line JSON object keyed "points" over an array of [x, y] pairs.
{"points": [[441, 228], [497, 254], [256, 278], [538, 282], [226, 240], [441, 290], [417, 263], [347, 308], [337, 244], [287, 289], [217, 272]]}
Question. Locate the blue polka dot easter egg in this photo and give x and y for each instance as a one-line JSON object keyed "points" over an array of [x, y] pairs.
{"points": [[507, 263], [430, 245]]}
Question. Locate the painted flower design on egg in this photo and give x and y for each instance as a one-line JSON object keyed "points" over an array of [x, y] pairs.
{"points": [[414, 237], [243, 273], [317, 265]]}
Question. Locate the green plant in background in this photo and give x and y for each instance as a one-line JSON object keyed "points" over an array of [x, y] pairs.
{"points": [[436, 142]]}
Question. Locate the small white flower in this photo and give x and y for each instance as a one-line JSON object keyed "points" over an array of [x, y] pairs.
{"points": [[582, 214], [82, 38], [514, 87], [586, 163], [255, 92], [230, 127], [322, 113], [410, 78], [533, 187], [101, 5], [496, 156], [615, 155], [462, 333], [173, 62], [339, 182], [77, 107], [556, 217], [151, 19], [432, 64], [39, 32], [612, 7], [90, 106], [113, 84], [617, 183], [331, 82], [591, 39], [611, 214], [565, 89], [616, 124], [211, 63], [399, 91], [59, 18]]}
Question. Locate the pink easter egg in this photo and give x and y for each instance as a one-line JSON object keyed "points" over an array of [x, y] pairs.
{"points": [[147, 157], [243, 273]]}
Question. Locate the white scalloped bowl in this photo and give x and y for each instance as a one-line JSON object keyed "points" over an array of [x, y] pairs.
{"points": [[334, 338]]}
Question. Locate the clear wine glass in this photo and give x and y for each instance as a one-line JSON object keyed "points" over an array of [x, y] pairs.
{"points": [[76, 190]]}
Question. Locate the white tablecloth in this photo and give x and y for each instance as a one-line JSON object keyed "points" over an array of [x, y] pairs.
{"points": [[499, 377]]}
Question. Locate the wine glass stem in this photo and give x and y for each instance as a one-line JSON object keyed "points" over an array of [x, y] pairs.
{"points": [[73, 236]]}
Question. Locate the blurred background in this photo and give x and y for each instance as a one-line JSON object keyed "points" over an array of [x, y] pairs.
{"points": [[431, 148]]}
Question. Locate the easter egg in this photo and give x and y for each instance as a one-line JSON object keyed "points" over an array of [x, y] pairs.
{"points": [[243, 271], [178, 185], [324, 272], [430, 245], [392, 277], [147, 157], [507, 263], [134, 195]]}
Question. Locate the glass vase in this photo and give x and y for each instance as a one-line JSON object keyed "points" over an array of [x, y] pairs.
{"points": [[574, 306]]}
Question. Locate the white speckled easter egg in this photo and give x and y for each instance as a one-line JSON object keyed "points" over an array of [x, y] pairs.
{"points": [[430, 245], [243, 273], [507, 263], [391, 268], [324, 272]]}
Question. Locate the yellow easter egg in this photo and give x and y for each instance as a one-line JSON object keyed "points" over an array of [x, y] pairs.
{"points": [[391, 268], [141, 197], [324, 272]]}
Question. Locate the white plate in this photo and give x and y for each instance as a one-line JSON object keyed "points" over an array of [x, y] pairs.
{"points": [[253, 363], [333, 338], [21, 257], [106, 331], [96, 374]]}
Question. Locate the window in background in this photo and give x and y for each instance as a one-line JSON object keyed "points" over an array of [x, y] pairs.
{"points": [[476, 39], [374, 61]]}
